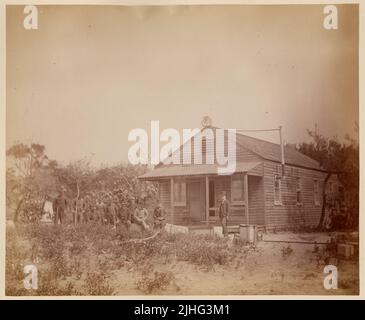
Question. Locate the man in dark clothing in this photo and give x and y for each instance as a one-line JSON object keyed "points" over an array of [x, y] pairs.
{"points": [[224, 209], [59, 208]]}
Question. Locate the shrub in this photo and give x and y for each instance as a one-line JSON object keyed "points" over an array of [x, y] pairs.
{"points": [[64, 252], [96, 284], [157, 282]]}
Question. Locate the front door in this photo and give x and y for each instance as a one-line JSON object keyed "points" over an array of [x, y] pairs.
{"points": [[195, 200]]}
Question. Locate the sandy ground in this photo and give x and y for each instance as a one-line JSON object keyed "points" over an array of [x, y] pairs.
{"points": [[264, 272]]}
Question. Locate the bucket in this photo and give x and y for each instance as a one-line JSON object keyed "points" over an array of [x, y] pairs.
{"points": [[218, 231], [248, 233]]}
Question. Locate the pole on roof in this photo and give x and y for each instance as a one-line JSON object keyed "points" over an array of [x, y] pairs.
{"points": [[282, 151]]}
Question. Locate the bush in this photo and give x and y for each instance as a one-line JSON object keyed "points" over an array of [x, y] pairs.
{"points": [[96, 285], [63, 253], [157, 282]]}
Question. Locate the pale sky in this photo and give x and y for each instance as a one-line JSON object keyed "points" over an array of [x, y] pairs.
{"points": [[91, 74]]}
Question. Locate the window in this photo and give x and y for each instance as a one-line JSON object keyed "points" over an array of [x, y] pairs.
{"points": [[277, 190], [163, 189], [237, 189], [179, 192], [316, 192], [298, 190]]}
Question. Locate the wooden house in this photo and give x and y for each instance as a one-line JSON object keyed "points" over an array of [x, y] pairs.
{"points": [[260, 192]]}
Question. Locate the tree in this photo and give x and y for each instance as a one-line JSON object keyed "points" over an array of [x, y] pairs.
{"points": [[336, 158], [75, 177], [122, 181], [31, 176], [28, 174]]}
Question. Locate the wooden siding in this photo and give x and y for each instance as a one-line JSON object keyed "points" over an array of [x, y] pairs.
{"points": [[256, 205], [262, 209], [258, 171], [182, 214], [290, 213]]}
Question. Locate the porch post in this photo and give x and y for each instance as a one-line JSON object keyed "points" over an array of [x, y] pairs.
{"points": [[207, 199], [172, 200], [245, 188]]}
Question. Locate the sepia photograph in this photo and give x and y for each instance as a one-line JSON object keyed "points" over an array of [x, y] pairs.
{"points": [[182, 150]]}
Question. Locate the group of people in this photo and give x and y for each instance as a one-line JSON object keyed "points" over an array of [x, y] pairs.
{"points": [[106, 208]]}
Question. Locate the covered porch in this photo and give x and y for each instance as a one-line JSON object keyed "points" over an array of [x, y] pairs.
{"points": [[191, 194]]}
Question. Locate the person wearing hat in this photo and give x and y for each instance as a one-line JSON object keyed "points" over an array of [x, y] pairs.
{"points": [[224, 210]]}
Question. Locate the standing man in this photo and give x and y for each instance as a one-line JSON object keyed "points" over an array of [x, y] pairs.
{"points": [[224, 209], [60, 205]]}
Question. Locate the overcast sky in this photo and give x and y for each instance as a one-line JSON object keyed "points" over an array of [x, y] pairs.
{"points": [[89, 75]]}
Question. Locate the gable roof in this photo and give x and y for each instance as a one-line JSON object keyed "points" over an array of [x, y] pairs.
{"points": [[268, 151], [272, 151]]}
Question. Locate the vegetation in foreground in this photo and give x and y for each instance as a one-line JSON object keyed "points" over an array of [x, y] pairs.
{"points": [[94, 260], [79, 261]]}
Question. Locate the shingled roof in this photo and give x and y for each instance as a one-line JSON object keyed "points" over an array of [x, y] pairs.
{"points": [[265, 150], [272, 151]]}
